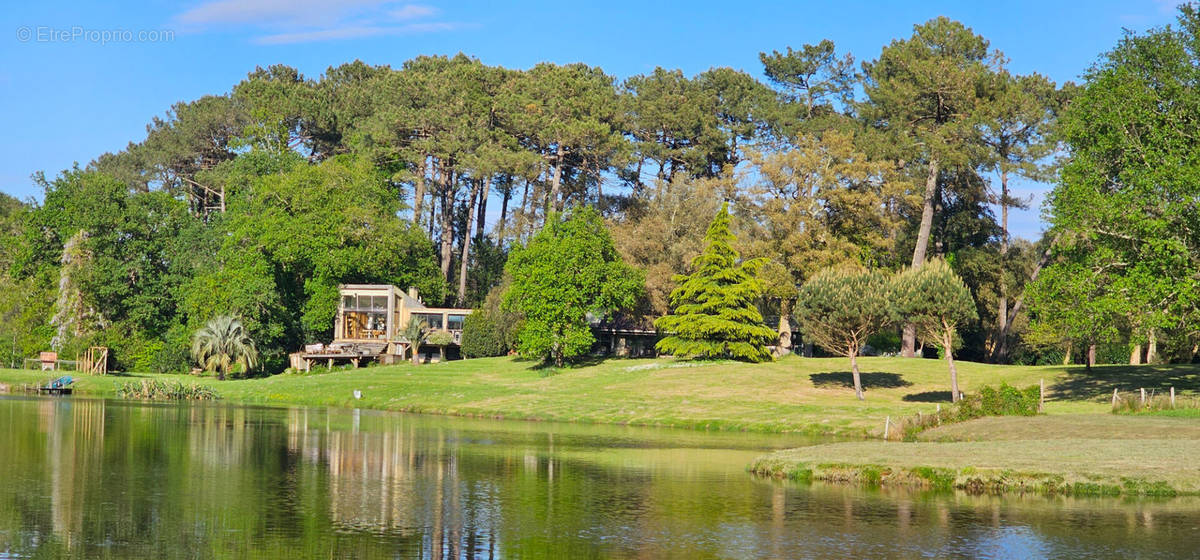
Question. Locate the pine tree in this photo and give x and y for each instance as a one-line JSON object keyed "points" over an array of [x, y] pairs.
{"points": [[715, 314], [935, 300], [839, 308]]}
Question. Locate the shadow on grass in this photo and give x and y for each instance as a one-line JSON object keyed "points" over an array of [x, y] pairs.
{"points": [[928, 397], [548, 368], [870, 380], [1081, 384]]}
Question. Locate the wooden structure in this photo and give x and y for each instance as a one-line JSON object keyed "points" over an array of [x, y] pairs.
{"points": [[94, 361], [49, 360], [369, 323]]}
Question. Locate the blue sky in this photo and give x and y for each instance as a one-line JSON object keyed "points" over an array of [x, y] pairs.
{"points": [[82, 78]]}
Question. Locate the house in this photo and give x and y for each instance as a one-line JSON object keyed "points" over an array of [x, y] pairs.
{"points": [[369, 325]]}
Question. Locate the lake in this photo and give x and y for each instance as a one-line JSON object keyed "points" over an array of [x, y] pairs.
{"points": [[84, 478]]}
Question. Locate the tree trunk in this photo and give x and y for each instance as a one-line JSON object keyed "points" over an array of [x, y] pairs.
{"points": [[416, 358], [1135, 355], [1152, 348], [909, 343], [948, 345], [1000, 350], [556, 180], [858, 391], [785, 328], [1091, 356], [419, 193], [1067, 356], [442, 354], [503, 212], [481, 216], [447, 200], [466, 246]]}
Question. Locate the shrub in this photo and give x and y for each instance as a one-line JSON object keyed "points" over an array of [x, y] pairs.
{"points": [[1005, 400], [482, 336], [440, 338], [1009, 401], [153, 389]]}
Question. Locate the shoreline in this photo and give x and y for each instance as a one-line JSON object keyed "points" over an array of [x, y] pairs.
{"points": [[1066, 467]]}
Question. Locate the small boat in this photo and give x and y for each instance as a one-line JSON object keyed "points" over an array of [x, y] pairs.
{"points": [[60, 386]]}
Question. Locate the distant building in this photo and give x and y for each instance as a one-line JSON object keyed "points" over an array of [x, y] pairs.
{"points": [[369, 325]]}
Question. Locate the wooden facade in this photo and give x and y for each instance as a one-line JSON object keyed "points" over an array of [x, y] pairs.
{"points": [[369, 325]]}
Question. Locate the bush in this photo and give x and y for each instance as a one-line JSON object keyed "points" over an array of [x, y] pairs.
{"points": [[440, 338], [1005, 400], [1009, 401], [483, 336]]}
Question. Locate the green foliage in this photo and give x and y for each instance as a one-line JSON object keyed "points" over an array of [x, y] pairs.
{"points": [[482, 336], [154, 389], [415, 333], [568, 273], [440, 338], [223, 345], [1124, 208], [1007, 400], [935, 299], [714, 307], [838, 309]]}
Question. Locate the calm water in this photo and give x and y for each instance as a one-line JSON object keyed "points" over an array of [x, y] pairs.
{"points": [[106, 479]]}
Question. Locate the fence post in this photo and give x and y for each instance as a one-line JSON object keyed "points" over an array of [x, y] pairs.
{"points": [[1172, 396], [1114, 404], [1041, 394], [1143, 390], [887, 427]]}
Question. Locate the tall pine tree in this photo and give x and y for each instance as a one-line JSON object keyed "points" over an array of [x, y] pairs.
{"points": [[715, 315]]}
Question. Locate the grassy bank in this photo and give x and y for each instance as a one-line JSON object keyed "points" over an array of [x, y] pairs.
{"points": [[1159, 467], [791, 395]]}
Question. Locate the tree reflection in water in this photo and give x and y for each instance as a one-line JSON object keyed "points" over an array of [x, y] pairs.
{"points": [[89, 478]]}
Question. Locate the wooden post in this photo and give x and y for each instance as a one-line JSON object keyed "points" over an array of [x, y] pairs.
{"points": [[1041, 394], [1143, 390], [887, 427], [1114, 404], [1172, 396]]}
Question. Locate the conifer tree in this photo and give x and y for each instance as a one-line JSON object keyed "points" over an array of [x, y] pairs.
{"points": [[935, 300], [714, 308], [839, 308]]}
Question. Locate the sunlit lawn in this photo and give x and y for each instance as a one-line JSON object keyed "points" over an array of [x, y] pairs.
{"points": [[793, 394]]}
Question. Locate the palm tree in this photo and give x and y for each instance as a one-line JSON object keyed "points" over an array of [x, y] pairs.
{"points": [[222, 344], [415, 333]]}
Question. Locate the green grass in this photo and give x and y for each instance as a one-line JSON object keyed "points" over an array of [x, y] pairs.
{"points": [[794, 394], [1157, 467]]}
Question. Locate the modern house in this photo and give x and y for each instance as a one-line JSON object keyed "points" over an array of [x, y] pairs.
{"points": [[369, 325]]}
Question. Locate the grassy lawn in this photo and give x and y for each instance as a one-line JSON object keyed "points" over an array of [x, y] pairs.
{"points": [[1061, 465], [790, 395]]}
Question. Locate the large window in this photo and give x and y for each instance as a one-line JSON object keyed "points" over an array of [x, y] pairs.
{"points": [[455, 322], [434, 320], [364, 316]]}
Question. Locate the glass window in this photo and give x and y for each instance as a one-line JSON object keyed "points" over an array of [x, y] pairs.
{"points": [[347, 302], [434, 320], [455, 322], [379, 303]]}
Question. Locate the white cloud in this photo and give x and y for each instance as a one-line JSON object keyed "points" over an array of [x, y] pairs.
{"points": [[299, 21], [412, 11]]}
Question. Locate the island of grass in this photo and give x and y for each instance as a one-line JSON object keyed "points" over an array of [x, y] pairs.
{"points": [[1077, 454]]}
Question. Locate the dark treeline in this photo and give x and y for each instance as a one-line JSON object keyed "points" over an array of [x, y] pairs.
{"points": [[260, 201]]}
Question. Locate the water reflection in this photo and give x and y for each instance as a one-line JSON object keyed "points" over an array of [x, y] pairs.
{"points": [[94, 479]]}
